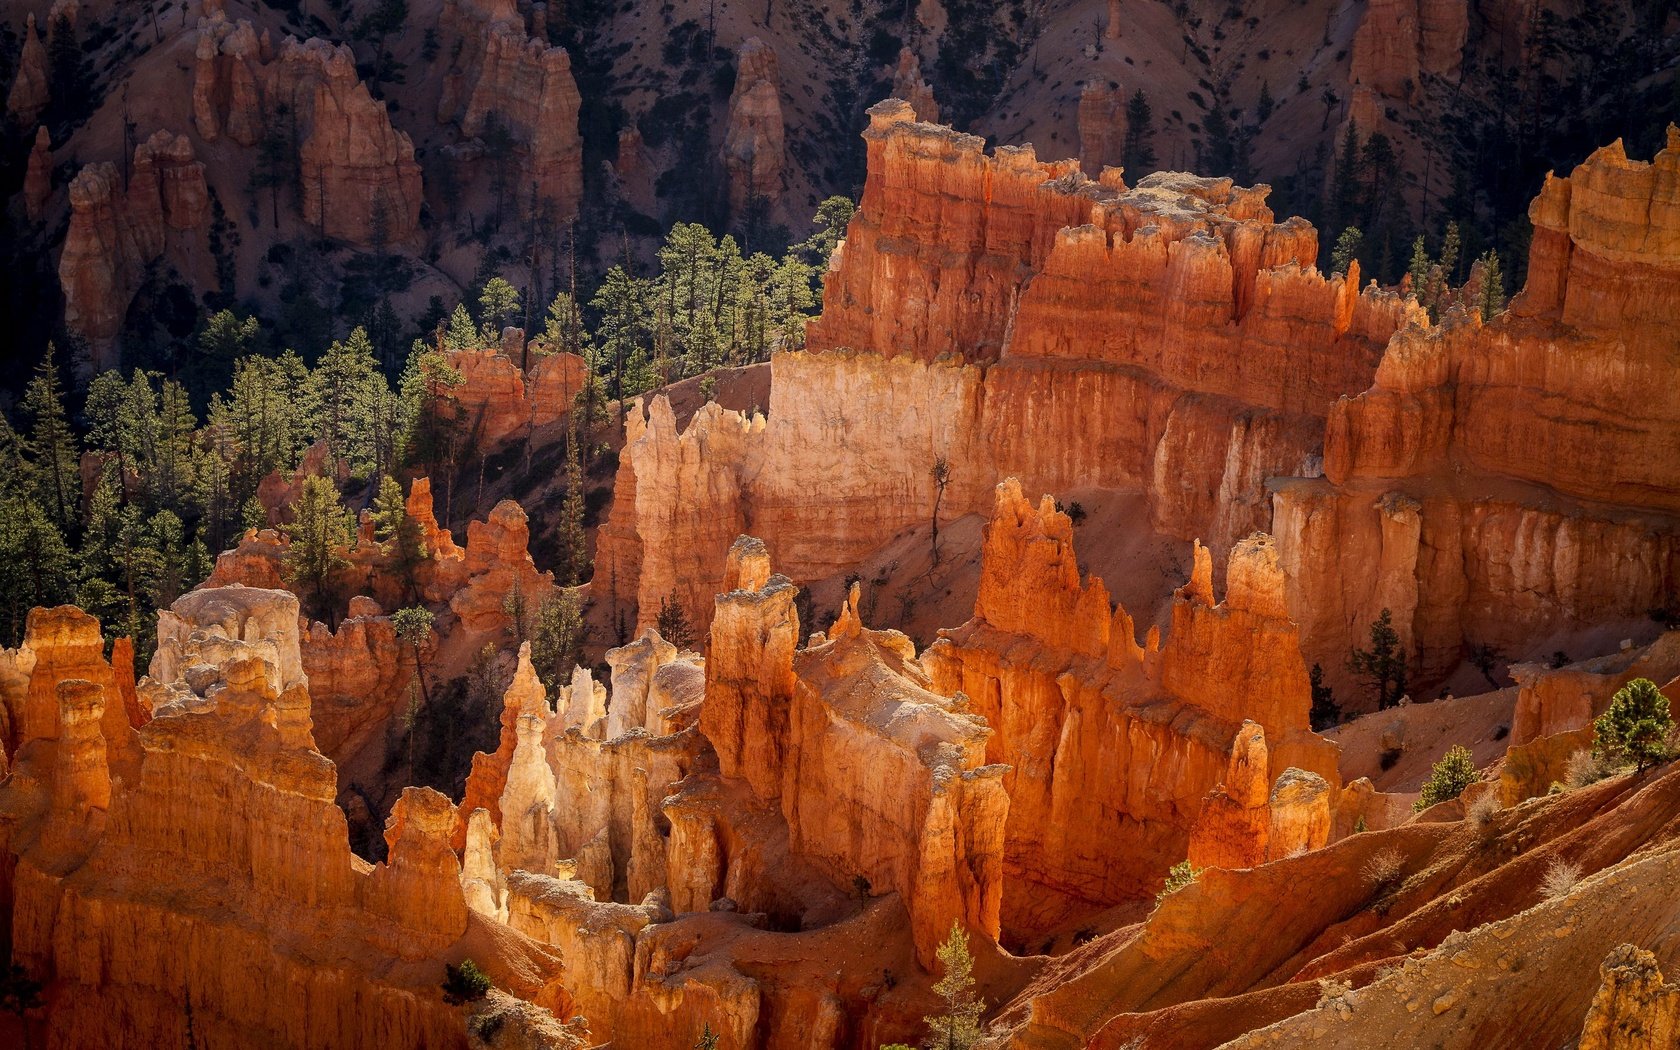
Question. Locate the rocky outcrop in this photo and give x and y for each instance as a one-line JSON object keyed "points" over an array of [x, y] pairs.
{"points": [[753, 152], [1399, 42], [60, 645], [909, 85], [132, 890], [1495, 485], [37, 180], [1233, 829], [847, 740], [1114, 301], [497, 400], [1113, 746], [357, 175], [29, 94], [358, 180], [1633, 1007], [1102, 125], [525, 85], [117, 230]]}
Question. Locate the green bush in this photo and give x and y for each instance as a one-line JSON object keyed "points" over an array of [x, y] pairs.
{"points": [[1179, 876], [465, 983], [1455, 772], [1635, 727]]}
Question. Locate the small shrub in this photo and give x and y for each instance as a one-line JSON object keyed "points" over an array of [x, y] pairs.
{"points": [[1560, 878], [465, 983], [1483, 810], [1390, 758], [1584, 768], [1448, 779], [1383, 868], [1179, 876]]}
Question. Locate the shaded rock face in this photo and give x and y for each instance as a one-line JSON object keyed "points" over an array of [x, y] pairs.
{"points": [[1472, 511], [1399, 42], [909, 85], [358, 180], [753, 149], [1102, 125], [37, 180], [29, 94], [116, 230], [1058, 674], [503, 75]]}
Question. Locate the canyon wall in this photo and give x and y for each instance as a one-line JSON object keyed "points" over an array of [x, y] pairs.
{"points": [[1502, 483], [1011, 318]]}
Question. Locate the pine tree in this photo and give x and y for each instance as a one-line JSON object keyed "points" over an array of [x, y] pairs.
{"points": [[557, 639], [414, 626], [1418, 270], [460, 335], [1449, 252], [958, 1028], [320, 532], [1448, 778], [1137, 150], [1636, 726], [673, 622], [574, 550], [498, 304], [1492, 298], [224, 340], [1347, 249], [400, 535], [1384, 664], [1263, 108], [52, 445], [1325, 712], [351, 391]]}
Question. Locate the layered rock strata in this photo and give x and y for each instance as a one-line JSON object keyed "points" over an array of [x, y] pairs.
{"points": [[1112, 746], [1495, 486], [1115, 302]]}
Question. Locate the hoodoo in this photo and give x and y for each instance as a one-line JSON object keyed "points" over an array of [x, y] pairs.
{"points": [[545, 526]]}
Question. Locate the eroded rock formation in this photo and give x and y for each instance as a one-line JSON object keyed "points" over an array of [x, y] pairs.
{"points": [[753, 148], [1459, 493], [37, 180], [1113, 301], [526, 86], [497, 400], [29, 94], [912, 87], [358, 180], [1059, 675], [1102, 125], [131, 895], [116, 230]]}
